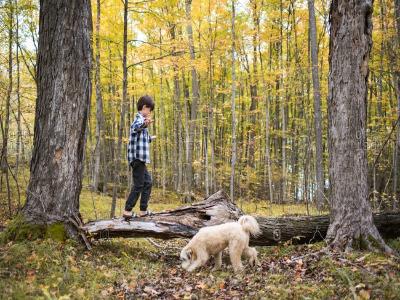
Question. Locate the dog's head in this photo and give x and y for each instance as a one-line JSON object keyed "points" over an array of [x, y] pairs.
{"points": [[186, 257], [250, 225]]}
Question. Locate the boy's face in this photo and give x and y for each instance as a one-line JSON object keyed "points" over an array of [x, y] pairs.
{"points": [[146, 111]]}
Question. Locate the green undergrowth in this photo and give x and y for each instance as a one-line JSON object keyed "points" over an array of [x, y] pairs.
{"points": [[38, 262], [141, 268], [20, 230]]}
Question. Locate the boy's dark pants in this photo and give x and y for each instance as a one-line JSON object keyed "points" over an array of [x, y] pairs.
{"points": [[141, 185]]}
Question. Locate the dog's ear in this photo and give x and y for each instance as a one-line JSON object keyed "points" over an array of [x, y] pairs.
{"points": [[189, 253]]}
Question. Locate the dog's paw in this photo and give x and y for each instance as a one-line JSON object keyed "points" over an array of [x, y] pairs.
{"points": [[216, 268], [238, 270], [254, 262]]}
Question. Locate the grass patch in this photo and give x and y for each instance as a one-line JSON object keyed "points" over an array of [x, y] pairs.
{"points": [[134, 268], [55, 268]]}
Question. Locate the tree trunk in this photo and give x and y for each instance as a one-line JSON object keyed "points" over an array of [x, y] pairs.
{"points": [[267, 100], [193, 107], [350, 45], [317, 108], [397, 143], [218, 209], [99, 105], [253, 86], [64, 64], [282, 110], [4, 151], [233, 106], [123, 109]]}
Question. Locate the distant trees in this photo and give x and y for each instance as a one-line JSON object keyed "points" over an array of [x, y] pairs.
{"points": [[281, 56]]}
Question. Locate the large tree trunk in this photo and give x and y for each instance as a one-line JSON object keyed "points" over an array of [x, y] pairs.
{"points": [[218, 209], [350, 45], [64, 63]]}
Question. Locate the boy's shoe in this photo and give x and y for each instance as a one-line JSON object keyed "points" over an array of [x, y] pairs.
{"points": [[128, 215], [146, 214]]}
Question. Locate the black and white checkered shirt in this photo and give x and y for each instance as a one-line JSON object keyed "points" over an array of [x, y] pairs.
{"points": [[139, 141]]}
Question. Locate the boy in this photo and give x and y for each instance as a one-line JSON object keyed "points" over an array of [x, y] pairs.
{"points": [[139, 156]]}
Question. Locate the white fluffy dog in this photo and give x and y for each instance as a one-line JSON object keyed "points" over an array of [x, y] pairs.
{"points": [[212, 240]]}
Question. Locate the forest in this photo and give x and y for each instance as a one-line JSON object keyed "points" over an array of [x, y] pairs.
{"points": [[287, 110]]}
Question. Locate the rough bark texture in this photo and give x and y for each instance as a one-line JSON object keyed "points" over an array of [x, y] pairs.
{"points": [[64, 63], [217, 209], [350, 45]]}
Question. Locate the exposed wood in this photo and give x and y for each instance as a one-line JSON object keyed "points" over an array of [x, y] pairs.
{"points": [[216, 209]]}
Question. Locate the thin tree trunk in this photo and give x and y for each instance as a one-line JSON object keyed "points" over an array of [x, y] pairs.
{"points": [[163, 130], [61, 112], [253, 87], [211, 127], [195, 101], [267, 101], [4, 153], [19, 130], [233, 108], [396, 163], [282, 110], [187, 133], [123, 107], [99, 105], [317, 108], [350, 44]]}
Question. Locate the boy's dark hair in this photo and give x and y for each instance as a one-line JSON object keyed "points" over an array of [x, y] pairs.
{"points": [[145, 100]]}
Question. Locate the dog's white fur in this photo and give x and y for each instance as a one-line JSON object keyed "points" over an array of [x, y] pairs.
{"points": [[212, 240]]}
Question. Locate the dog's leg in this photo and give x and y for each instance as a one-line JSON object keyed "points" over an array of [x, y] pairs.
{"points": [[235, 253], [251, 254], [218, 261]]}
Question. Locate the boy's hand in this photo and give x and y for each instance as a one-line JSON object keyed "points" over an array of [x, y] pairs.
{"points": [[148, 121], [153, 137]]}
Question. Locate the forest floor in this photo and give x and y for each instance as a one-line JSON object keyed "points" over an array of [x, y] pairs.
{"points": [[149, 268]]}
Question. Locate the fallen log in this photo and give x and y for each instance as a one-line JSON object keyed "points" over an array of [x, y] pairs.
{"points": [[217, 209]]}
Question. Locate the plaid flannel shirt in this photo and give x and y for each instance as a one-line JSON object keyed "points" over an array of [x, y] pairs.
{"points": [[139, 141]]}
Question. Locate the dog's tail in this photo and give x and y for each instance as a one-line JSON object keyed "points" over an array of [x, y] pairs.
{"points": [[250, 225]]}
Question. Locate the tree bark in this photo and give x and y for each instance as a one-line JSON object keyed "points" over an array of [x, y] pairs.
{"points": [[4, 166], [350, 45], [64, 64], [195, 101], [396, 162], [217, 209], [123, 109], [233, 106], [317, 108], [99, 105]]}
